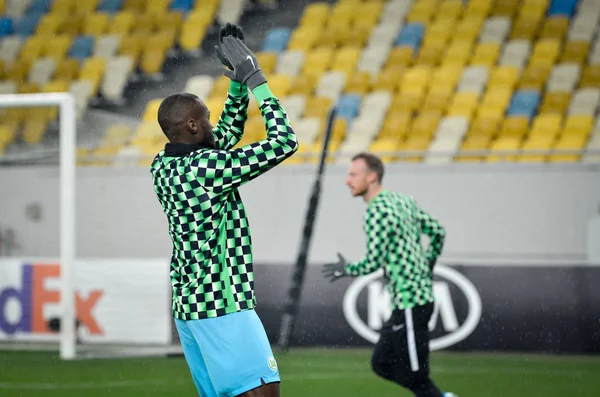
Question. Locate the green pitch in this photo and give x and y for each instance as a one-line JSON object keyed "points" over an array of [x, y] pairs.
{"points": [[306, 372]]}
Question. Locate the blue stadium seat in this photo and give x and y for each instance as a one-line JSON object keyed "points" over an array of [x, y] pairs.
{"points": [[82, 47], [348, 105], [524, 103], [276, 39], [6, 26], [27, 25], [411, 35], [39, 6], [182, 5], [110, 6], [562, 7]]}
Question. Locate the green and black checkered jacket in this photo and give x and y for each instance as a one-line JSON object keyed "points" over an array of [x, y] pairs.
{"points": [[211, 264], [394, 224]]}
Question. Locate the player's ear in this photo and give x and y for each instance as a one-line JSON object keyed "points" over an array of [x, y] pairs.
{"points": [[192, 126]]}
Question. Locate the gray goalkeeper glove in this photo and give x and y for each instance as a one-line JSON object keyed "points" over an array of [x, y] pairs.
{"points": [[243, 61], [232, 30], [333, 271]]}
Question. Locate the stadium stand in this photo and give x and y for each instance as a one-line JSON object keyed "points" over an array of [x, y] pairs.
{"points": [[438, 77]]}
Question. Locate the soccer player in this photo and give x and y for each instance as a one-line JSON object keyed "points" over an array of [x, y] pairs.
{"points": [[196, 179], [394, 224]]}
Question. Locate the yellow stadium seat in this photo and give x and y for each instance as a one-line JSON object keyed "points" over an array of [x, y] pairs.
{"points": [[437, 98], [151, 110], [368, 11], [132, 46], [267, 61], [56, 86], [32, 48], [338, 132], [280, 84], [425, 124], [555, 102], [457, 53], [144, 24], [430, 54], [417, 77], [62, 6], [121, 23], [505, 8], [400, 56], [315, 14], [536, 143], [504, 76], [497, 97], [303, 85], [2, 6], [545, 52], [388, 79], [468, 29], [590, 77], [484, 125], [73, 27], [191, 36], [86, 7], [554, 27], [358, 82], [163, 39], [524, 28], [18, 71], [446, 76], [514, 127], [66, 70], [116, 134], [156, 6], [57, 47], [546, 125], [169, 20], [304, 38], [486, 54], [418, 143], [134, 5], [471, 143], [8, 134], [93, 70], [220, 87], [422, 11], [357, 36], [318, 107], [95, 24], [463, 104], [534, 77], [50, 24], [439, 31], [345, 59], [449, 9], [396, 126], [33, 131], [407, 101], [317, 61], [479, 8], [578, 125], [384, 149], [575, 52], [503, 148], [570, 142]]}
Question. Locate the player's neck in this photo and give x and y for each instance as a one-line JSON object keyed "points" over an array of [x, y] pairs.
{"points": [[373, 191]]}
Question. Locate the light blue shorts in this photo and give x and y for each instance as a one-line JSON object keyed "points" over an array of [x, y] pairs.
{"points": [[228, 355]]}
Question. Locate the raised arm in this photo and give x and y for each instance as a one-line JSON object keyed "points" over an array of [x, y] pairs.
{"points": [[230, 127], [223, 170], [436, 233], [378, 229]]}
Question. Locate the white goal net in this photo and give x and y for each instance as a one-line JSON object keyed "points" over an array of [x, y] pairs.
{"points": [[54, 293]]}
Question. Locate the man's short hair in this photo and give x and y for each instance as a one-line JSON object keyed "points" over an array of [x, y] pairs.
{"points": [[171, 109], [373, 162]]}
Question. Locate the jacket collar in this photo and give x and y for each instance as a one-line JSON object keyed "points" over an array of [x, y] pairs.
{"points": [[181, 149]]}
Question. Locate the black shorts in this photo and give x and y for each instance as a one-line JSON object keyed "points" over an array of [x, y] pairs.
{"points": [[402, 353]]}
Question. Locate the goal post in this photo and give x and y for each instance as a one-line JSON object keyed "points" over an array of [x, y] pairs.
{"points": [[67, 155]]}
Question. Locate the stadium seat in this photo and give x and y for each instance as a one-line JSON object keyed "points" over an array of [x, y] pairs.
{"points": [[514, 126], [348, 105], [110, 6], [585, 102], [569, 142], [564, 77], [463, 104], [555, 102], [457, 53], [67, 70], [575, 52], [290, 62], [42, 70], [524, 103], [276, 40], [495, 30], [318, 107], [545, 52], [315, 14], [106, 46], [50, 24], [486, 54], [503, 149], [411, 35], [121, 23], [554, 27], [116, 76], [317, 62], [590, 77], [534, 77], [200, 85], [562, 7], [497, 98], [27, 25], [96, 24], [82, 47], [515, 53], [400, 56], [578, 125], [303, 39], [345, 59], [10, 47], [358, 83], [473, 79]]}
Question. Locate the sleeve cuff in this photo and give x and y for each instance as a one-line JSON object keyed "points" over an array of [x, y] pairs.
{"points": [[262, 92], [237, 89]]}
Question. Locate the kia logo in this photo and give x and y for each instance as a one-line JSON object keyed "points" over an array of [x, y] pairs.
{"points": [[379, 307]]}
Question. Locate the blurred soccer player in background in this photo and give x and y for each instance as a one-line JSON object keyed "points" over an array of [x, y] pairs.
{"points": [[394, 224], [196, 179]]}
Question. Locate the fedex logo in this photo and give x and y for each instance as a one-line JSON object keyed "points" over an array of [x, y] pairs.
{"points": [[34, 296]]}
